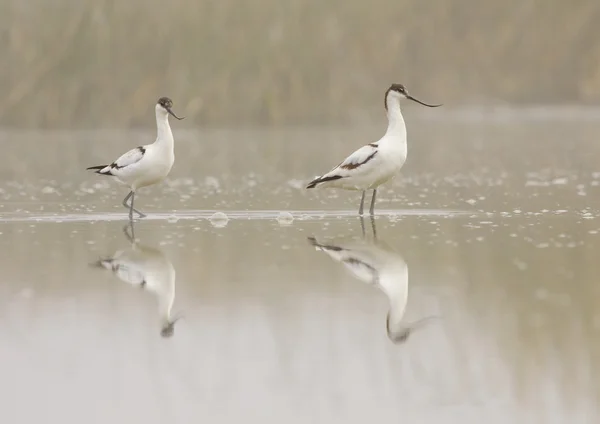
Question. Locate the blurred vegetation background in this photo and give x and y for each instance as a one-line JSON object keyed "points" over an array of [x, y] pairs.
{"points": [[104, 63]]}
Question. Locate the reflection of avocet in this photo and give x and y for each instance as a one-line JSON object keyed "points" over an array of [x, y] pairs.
{"points": [[376, 264], [145, 165], [150, 269], [375, 163]]}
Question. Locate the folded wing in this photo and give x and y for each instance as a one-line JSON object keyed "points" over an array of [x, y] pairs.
{"points": [[127, 159], [350, 166]]}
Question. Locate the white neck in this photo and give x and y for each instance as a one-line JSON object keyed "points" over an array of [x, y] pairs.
{"points": [[394, 283], [397, 309], [165, 292], [164, 135], [165, 303], [396, 125]]}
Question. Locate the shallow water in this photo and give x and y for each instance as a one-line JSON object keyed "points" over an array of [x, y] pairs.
{"points": [[492, 233]]}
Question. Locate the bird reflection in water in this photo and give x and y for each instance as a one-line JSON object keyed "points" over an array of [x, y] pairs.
{"points": [[150, 269], [375, 263]]}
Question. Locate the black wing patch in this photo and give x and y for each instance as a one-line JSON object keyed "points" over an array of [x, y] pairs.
{"points": [[313, 241], [115, 165], [354, 165], [320, 180], [141, 149]]}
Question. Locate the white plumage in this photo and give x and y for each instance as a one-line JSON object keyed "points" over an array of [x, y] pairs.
{"points": [[375, 163], [148, 164], [376, 264], [122, 167], [150, 269]]}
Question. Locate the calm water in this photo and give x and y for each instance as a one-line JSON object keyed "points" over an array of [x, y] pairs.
{"points": [[486, 247]]}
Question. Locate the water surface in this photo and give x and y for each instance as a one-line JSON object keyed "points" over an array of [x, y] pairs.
{"points": [[491, 232]]}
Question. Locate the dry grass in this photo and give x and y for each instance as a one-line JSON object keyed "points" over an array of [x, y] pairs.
{"points": [[103, 63]]}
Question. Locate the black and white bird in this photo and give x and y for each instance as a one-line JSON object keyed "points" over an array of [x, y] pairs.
{"points": [[150, 269], [376, 264], [148, 164], [375, 163]]}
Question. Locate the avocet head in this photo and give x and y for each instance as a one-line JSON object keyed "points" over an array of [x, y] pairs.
{"points": [[168, 328], [164, 105], [399, 91], [399, 333]]}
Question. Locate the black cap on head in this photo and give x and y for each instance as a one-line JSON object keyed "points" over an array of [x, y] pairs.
{"points": [[167, 104], [168, 330], [400, 88]]}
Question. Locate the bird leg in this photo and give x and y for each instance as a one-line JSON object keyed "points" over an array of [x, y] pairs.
{"points": [[373, 228], [362, 226], [362, 203], [130, 205], [130, 237], [372, 208]]}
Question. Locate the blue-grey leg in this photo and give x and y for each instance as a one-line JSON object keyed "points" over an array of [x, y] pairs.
{"points": [[130, 237], [373, 228], [362, 203], [130, 205], [362, 226], [372, 208]]}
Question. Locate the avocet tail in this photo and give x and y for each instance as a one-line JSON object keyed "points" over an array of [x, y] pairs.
{"points": [[99, 169], [321, 180]]}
